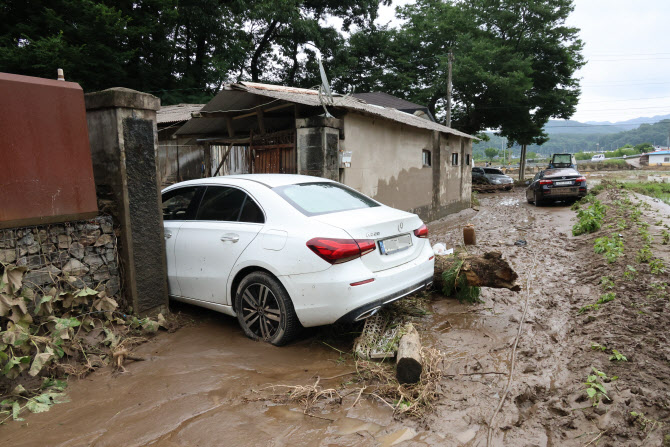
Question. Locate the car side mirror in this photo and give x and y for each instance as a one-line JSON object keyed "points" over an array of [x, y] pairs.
{"points": [[527, 182]]}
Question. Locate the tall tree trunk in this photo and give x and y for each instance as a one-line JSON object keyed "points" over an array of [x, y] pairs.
{"points": [[522, 163], [255, 71]]}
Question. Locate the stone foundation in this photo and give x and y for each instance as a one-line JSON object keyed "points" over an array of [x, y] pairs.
{"points": [[85, 250]]}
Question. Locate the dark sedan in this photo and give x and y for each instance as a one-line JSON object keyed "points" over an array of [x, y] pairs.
{"points": [[555, 185]]}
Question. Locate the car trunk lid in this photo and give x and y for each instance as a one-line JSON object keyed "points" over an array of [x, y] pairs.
{"points": [[391, 229]]}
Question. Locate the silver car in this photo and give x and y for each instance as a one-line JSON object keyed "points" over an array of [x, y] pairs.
{"points": [[492, 176]]}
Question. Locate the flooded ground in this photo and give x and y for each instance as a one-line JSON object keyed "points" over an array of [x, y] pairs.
{"points": [[595, 177], [199, 385]]}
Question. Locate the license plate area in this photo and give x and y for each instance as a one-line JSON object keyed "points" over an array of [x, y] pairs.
{"points": [[395, 244], [563, 183]]}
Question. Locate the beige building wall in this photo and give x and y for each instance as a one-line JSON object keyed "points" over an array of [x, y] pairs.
{"points": [[456, 175], [387, 165], [387, 162]]}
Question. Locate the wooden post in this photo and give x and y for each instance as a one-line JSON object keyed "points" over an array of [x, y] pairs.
{"points": [[408, 361]]}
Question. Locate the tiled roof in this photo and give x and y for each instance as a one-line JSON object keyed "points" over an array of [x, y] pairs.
{"points": [[176, 113]]}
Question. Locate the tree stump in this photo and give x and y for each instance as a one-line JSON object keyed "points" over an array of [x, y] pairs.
{"points": [[408, 359], [489, 270]]}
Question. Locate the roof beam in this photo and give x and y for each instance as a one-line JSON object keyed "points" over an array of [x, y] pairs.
{"points": [[223, 114]]}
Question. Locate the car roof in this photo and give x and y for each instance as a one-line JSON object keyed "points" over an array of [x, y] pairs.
{"points": [[269, 180]]}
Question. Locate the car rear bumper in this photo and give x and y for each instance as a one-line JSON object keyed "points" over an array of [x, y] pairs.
{"points": [[562, 193], [328, 297]]}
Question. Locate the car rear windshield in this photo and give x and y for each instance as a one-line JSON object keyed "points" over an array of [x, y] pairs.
{"points": [[313, 199], [563, 158], [560, 172], [493, 171]]}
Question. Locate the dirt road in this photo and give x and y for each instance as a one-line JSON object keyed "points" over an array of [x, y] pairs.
{"points": [[197, 387]]}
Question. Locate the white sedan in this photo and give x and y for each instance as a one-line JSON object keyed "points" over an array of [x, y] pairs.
{"points": [[279, 251]]}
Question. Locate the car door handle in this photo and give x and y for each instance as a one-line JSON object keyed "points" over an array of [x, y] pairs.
{"points": [[230, 237], [168, 235]]}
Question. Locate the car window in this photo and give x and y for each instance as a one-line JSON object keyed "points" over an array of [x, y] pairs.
{"points": [[537, 176], [563, 158], [493, 171], [251, 212], [221, 203], [179, 204], [312, 199]]}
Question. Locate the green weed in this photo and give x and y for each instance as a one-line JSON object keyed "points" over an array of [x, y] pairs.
{"points": [[595, 387], [617, 356], [665, 235], [589, 220], [598, 347], [657, 266], [643, 255], [630, 273], [610, 247]]}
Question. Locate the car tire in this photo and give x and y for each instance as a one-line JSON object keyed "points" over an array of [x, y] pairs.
{"points": [[264, 309], [529, 199], [536, 201]]}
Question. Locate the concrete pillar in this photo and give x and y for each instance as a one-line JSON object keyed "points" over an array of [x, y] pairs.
{"points": [[123, 137], [318, 143]]}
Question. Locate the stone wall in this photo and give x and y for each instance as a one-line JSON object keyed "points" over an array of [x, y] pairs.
{"points": [[83, 250]]}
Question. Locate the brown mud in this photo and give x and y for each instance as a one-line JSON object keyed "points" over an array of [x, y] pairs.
{"points": [[199, 385]]}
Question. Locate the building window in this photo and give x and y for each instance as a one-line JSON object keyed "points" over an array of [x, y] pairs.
{"points": [[426, 158], [454, 159], [467, 159], [666, 159]]}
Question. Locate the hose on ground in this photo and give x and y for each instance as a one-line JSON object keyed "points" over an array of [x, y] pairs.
{"points": [[489, 435]]}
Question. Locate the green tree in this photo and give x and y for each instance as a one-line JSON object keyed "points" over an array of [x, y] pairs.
{"points": [[644, 147], [490, 153]]}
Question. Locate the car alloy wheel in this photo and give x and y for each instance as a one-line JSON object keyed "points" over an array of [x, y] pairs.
{"points": [[264, 310]]}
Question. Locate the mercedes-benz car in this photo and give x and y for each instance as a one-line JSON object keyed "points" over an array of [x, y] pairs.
{"points": [[279, 251], [565, 184], [492, 176]]}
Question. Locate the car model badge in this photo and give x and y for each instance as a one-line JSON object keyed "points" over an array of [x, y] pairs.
{"points": [[400, 225]]}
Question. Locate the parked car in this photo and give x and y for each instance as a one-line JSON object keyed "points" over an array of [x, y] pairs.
{"points": [[599, 157], [279, 251], [562, 161], [492, 176], [555, 185]]}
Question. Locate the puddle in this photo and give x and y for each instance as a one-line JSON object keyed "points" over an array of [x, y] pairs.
{"points": [[509, 202]]}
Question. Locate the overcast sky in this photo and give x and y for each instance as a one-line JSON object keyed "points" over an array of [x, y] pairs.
{"points": [[627, 46]]}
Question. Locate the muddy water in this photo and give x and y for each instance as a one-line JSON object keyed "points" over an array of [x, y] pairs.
{"points": [[197, 387], [187, 393]]}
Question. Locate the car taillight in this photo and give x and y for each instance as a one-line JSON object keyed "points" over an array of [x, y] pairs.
{"points": [[546, 182], [580, 179], [422, 231], [337, 251]]}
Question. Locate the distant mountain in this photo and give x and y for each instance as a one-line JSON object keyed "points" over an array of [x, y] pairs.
{"points": [[578, 128], [632, 123]]}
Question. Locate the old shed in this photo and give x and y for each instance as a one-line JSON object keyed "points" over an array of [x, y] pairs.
{"points": [[398, 158]]}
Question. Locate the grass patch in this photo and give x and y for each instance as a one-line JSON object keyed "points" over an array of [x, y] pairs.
{"points": [[656, 190]]}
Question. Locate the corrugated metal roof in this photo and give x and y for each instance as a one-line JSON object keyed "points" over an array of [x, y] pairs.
{"points": [[234, 98], [386, 100], [176, 113], [664, 152]]}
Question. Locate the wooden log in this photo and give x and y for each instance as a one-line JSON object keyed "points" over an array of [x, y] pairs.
{"points": [[408, 360], [488, 270]]}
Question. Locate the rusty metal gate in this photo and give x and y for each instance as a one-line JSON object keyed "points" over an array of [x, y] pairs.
{"points": [[274, 153]]}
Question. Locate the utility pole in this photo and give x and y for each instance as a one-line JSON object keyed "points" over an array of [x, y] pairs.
{"points": [[449, 61]]}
